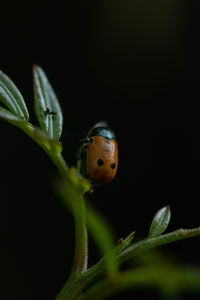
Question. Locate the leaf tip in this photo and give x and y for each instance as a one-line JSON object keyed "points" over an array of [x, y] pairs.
{"points": [[35, 67], [160, 221]]}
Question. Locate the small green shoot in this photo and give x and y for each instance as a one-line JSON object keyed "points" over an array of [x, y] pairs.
{"points": [[160, 222]]}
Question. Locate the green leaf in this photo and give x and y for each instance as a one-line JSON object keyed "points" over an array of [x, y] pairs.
{"points": [[46, 105], [11, 97], [160, 222]]}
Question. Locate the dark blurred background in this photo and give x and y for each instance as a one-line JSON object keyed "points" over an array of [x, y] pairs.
{"points": [[133, 63]]}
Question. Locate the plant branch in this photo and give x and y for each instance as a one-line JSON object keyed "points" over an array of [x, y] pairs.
{"points": [[99, 270], [146, 244], [81, 242], [80, 257], [96, 272]]}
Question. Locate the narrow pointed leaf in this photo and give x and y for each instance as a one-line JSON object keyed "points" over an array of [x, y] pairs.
{"points": [[125, 242], [160, 222], [46, 104], [11, 97]]}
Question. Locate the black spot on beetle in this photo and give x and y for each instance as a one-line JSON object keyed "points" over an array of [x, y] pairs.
{"points": [[113, 165], [91, 140], [100, 162]]}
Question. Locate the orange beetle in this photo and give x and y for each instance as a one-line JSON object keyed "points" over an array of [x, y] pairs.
{"points": [[98, 154]]}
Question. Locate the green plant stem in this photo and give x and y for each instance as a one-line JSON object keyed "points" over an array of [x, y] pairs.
{"points": [[97, 271], [103, 289], [81, 241], [72, 291], [81, 248]]}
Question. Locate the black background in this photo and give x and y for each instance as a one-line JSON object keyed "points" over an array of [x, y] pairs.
{"points": [[132, 63]]}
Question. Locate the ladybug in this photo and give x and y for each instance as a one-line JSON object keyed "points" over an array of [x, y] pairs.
{"points": [[97, 157]]}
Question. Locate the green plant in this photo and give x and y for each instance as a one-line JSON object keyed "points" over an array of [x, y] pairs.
{"points": [[105, 277]]}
